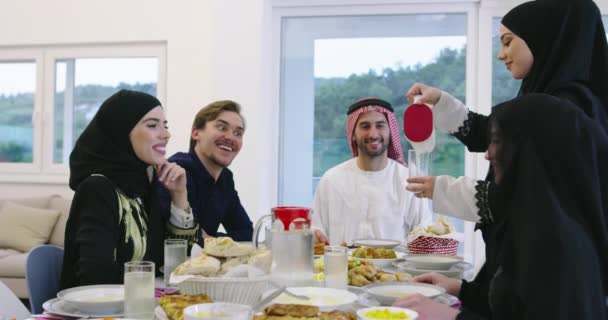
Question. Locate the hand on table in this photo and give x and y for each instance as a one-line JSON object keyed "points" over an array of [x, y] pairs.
{"points": [[427, 309], [451, 286], [320, 237]]}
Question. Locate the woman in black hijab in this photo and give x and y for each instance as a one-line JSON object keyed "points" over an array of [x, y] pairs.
{"points": [[557, 48], [550, 217], [115, 215]]}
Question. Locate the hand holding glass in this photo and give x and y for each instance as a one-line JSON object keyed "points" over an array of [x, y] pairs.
{"points": [[419, 164]]}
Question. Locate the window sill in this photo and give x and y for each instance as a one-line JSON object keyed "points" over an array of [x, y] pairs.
{"points": [[26, 178]]}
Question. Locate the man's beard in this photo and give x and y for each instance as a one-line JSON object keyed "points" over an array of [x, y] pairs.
{"points": [[361, 146]]}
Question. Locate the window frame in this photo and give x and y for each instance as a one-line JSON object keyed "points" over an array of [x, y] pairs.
{"points": [[43, 169], [9, 55], [293, 8]]}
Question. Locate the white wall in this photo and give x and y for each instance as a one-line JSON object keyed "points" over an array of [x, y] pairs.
{"points": [[214, 51]]}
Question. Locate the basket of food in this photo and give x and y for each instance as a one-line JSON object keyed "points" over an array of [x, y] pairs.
{"points": [[438, 238], [226, 271]]}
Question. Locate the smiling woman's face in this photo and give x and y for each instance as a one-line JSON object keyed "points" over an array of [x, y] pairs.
{"points": [[150, 136], [515, 53]]}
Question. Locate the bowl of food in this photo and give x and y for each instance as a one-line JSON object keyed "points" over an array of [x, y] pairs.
{"points": [[387, 292], [95, 299], [455, 271], [381, 257], [218, 310], [325, 298], [393, 313], [432, 261], [377, 243]]}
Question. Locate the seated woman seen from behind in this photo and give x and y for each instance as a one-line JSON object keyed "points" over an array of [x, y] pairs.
{"points": [[550, 211], [115, 216]]}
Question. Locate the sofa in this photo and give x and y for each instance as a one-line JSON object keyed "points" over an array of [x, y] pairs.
{"points": [[24, 224]]}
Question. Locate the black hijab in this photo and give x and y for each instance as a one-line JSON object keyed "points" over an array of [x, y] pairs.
{"points": [[105, 148], [555, 191], [568, 42]]}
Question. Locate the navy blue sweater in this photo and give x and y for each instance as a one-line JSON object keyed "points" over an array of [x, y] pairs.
{"points": [[212, 202]]}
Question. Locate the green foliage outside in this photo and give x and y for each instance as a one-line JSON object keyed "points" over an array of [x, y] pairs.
{"points": [[447, 72], [87, 99], [333, 96], [16, 132]]}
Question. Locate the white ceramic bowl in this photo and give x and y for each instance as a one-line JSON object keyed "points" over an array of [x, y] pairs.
{"points": [[432, 261], [95, 299], [218, 310], [410, 314], [235, 290], [326, 299], [387, 292], [377, 243], [456, 271], [381, 262]]}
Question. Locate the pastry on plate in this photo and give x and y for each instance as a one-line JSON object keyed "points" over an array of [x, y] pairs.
{"points": [[174, 304]]}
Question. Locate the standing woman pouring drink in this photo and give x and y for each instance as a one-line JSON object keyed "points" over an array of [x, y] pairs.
{"points": [[557, 48], [115, 216]]}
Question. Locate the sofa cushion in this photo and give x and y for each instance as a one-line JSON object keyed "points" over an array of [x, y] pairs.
{"points": [[8, 252], [22, 227], [36, 202], [13, 266], [63, 206]]}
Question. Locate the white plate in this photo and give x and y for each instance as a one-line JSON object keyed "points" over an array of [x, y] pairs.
{"points": [[59, 307], [218, 310], [377, 243], [365, 300], [456, 271], [324, 298], [380, 262], [432, 261], [95, 299], [387, 292]]}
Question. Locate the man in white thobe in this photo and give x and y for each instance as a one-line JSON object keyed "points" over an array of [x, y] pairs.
{"points": [[365, 197]]}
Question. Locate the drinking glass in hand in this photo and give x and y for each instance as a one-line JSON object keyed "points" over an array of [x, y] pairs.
{"points": [[175, 254], [419, 163], [139, 290], [336, 267]]}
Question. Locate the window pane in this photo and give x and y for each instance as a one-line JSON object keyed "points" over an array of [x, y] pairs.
{"points": [[83, 84], [504, 87], [605, 20], [17, 89], [330, 62]]}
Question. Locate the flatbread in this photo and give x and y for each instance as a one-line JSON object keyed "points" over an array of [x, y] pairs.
{"points": [[224, 247], [302, 312], [294, 310], [203, 265], [174, 304]]}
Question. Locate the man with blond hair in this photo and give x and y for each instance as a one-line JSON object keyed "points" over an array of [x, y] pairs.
{"points": [[216, 139]]}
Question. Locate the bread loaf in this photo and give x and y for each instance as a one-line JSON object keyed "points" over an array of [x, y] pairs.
{"points": [[226, 247], [203, 265]]}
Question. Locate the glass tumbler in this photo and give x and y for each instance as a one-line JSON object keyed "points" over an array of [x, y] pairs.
{"points": [[336, 267], [175, 254], [139, 290]]}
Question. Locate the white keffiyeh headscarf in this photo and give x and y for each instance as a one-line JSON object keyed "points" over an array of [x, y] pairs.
{"points": [[395, 151]]}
